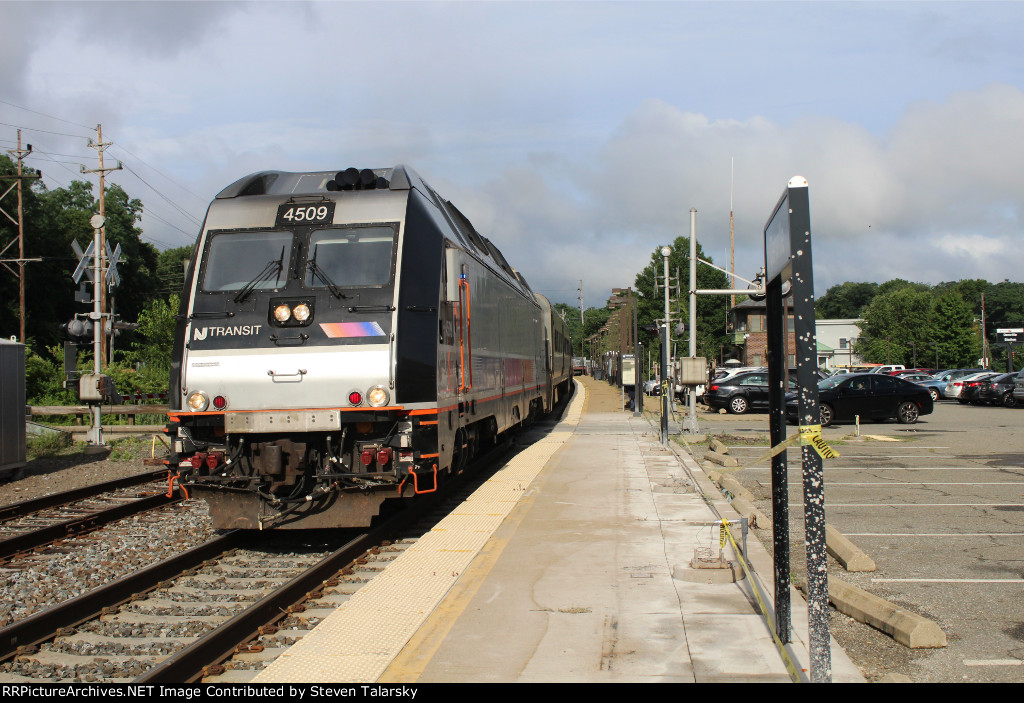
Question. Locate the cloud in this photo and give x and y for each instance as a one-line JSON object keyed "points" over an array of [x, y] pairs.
{"points": [[578, 152], [935, 199]]}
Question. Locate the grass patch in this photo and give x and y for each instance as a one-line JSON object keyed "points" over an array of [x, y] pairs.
{"points": [[47, 445], [125, 449]]}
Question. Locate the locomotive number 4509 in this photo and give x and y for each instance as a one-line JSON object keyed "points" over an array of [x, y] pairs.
{"points": [[300, 214]]}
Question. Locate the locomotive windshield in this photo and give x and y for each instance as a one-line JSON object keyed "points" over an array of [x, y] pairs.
{"points": [[238, 260], [353, 256]]}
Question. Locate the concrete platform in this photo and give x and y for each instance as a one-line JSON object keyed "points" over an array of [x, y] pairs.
{"points": [[580, 572]]}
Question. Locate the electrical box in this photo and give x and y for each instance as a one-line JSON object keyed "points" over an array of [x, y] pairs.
{"points": [[628, 370], [12, 407], [692, 371], [94, 387]]}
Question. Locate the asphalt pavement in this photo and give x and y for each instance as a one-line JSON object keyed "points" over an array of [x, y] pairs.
{"points": [[939, 506]]}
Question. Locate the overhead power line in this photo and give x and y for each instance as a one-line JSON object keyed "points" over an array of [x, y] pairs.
{"points": [[36, 112], [163, 197], [161, 173], [42, 131]]}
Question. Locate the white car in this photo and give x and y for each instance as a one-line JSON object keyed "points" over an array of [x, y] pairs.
{"points": [[956, 385]]}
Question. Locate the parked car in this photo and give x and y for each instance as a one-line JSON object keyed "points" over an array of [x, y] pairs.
{"points": [[908, 372], [914, 376], [971, 388], [1018, 389], [935, 387], [741, 392], [868, 395], [888, 368], [956, 385], [999, 390]]}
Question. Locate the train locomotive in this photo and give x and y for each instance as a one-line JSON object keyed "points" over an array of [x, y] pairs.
{"points": [[345, 338]]}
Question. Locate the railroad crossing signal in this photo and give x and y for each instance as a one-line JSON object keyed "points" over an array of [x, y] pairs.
{"points": [[84, 261], [112, 278]]}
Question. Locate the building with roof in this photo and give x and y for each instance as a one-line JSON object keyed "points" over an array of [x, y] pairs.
{"points": [[836, 339]]}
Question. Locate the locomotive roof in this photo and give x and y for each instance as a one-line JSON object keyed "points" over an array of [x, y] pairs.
{"points": [[310, 182], [400, 177]]}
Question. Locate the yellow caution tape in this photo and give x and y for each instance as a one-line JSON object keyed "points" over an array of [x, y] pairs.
{"points": [[786, 660], [811, 435]]}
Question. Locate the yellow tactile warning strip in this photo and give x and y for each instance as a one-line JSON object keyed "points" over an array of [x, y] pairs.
{"points": [[358, 641]]}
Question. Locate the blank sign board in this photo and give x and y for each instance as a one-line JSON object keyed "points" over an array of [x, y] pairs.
{"points": [[783, 232]]}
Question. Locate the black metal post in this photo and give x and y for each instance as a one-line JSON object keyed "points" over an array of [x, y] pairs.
{"points": [[776, 329], [809, 414], [788, 257], [638, 391]]}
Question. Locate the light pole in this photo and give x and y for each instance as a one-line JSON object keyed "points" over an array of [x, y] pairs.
{"points": [[665, 390]]}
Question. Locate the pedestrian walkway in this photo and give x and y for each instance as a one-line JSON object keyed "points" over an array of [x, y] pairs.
{"points": [[584, 576]]}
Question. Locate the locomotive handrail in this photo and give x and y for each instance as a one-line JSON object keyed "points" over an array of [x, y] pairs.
{"points": [[465, 339], [392, 361], [275, 374], [289, 341]]}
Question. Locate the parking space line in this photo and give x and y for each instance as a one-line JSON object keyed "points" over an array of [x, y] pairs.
{"points": [[922, 580], [933, 534], [899, 468], [927, 483], [917, 505], [993, 662]]}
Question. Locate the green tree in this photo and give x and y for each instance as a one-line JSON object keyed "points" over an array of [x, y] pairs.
{"points": [[53, 219], [712, 310], [896, 325], [170, 270], [952, 331], [593, 319], [844, 301]]}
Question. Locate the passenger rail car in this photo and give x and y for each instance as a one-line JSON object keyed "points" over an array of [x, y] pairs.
{"points": [[346, 338]]}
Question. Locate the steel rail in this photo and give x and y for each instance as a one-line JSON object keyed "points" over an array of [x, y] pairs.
{"points": [[218, 645], [80, 525], [26, 507], [44, 625]]}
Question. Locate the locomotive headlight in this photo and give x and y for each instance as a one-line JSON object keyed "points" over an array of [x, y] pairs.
{"points": [[301, 312], [377, 396], [283, 313], [198, 401]]}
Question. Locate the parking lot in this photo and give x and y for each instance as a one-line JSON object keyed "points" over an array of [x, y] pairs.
{"points": [[939, 506]]}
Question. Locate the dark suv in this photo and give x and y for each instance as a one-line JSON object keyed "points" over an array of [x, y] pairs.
{"points": [[740, 393]]}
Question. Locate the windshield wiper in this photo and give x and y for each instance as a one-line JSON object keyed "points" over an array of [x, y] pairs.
{"points": [[272, 267], [319, 273]]}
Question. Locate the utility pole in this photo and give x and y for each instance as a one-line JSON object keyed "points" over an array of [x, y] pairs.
{"points": [[984, 335], [100, 146], [579, 291], [732, 235], [691, 424], [20, 155], [666, 251]]}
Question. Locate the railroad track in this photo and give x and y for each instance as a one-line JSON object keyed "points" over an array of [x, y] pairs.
{"points": [[42, 521], [177, 620], [219, 611]]}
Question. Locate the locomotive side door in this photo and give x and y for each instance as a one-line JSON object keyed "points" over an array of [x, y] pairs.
{"points": [[548, 390]]}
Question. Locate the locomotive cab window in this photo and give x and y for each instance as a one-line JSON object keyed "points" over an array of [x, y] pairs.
{"points": [[235, 260], [353, 256]]}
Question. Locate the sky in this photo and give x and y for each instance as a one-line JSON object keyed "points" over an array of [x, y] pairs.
{"points": [[575, 135]]}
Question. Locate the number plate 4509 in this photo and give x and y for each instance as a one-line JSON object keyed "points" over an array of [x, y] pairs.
{"points": [[292, 214]]}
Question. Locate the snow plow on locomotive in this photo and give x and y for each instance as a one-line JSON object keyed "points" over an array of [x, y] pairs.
{"points": [[346, 338]]}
